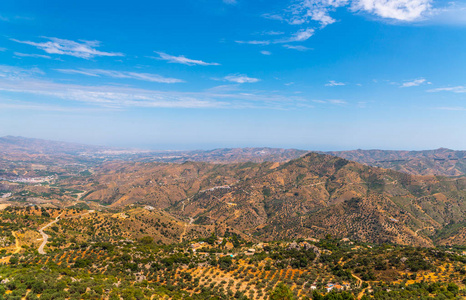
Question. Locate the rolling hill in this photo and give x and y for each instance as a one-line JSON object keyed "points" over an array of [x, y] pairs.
{"points": [[314, 195], [441, 161]]}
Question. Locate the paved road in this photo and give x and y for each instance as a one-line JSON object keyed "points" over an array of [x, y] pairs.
{"points": [[45, 236]]}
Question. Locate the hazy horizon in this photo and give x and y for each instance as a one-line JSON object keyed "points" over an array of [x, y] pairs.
{"points": [[187, 74], [214, 146]]}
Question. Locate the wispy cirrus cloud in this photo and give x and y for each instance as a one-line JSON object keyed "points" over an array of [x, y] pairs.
{"points": [[183, 60], [331, 101], [9, 72], [264, 52], [19, 54], [254, 42], [23, 105], [82, 48], [231, 2], [416, 82], [454, 89], [273, 32], [121, 74], [239, 78], [334, 83], [123, 97], [299, 36], [14, 18], [296, 47]]}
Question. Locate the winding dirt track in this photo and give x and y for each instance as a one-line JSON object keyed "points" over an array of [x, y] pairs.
{"points": [[191, 220], [17, 246], [45, 236]]}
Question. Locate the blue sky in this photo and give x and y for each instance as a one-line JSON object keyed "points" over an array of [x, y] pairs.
{"points": [[190, 74]]}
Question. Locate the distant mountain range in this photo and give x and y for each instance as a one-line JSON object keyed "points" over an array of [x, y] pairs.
{"points": [[30, 146], [441, 161], [444, 162]]}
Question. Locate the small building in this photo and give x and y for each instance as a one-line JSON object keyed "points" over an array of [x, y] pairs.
{"points": [[250, 251]]}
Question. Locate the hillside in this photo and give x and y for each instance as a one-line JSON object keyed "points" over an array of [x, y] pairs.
{"points": [[444, 162], [96, 255], [311, 196], [228, 155]]}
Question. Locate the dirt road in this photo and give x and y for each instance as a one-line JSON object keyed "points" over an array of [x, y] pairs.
{"points": [[45, 236], [17, 246]]}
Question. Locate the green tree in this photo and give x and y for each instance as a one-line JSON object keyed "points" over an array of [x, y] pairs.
{"points": [[282, 292]]}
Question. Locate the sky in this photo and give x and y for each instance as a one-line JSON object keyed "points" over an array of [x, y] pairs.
{"points": [[203, 74]]}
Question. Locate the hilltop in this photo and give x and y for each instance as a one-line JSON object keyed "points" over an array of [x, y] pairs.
{"points": [[442, 161]]}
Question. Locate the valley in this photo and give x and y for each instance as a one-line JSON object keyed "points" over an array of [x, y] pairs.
{"points": [[313, 226]]}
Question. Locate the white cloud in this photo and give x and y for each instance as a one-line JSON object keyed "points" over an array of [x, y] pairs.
{"points": [[337, 101], [299, 36], [31, 55], [297, 47], [334, 83], [331, 101], [401, 10], [183, 60], [272, 32], [10, 72], [20, 105], [82, 49], [454, 89], [304, 11], [121, 74], [254, 42], [2, 49], [122, 97], [266, 52], [239, 78], [416, 82], [230, 1], [275, 17]]}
